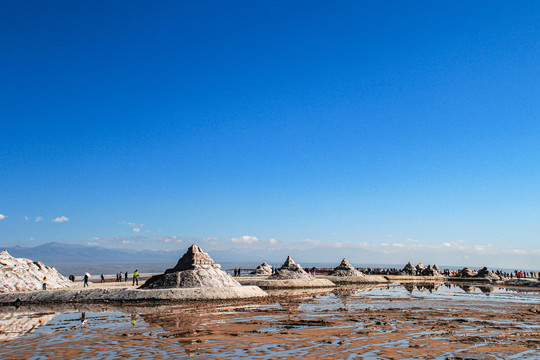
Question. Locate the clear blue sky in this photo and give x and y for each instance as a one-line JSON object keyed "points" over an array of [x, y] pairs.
{"points": [[351, 122]]}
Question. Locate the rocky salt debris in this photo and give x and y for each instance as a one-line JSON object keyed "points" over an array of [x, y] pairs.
{"points": [[487, 274], [420, 270], [263, 269], [483, 274], [20, 274], [429, 271], [291, 270], [466, 272], [345, 269], [195, 269]]}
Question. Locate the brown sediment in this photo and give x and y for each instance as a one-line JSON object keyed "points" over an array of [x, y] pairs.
{"points": [[333, 326]]}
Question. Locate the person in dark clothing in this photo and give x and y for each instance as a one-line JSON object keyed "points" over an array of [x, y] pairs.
{"points": [[85, 280], [126, 278]]}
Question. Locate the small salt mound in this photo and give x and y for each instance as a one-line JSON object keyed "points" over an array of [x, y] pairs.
{"points": [[345, 269], [20, 274], [291, 270], [485, 273], [466, 272], [263, 269]]}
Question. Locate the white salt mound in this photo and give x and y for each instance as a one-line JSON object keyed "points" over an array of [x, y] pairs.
{"points": [[19, 274], [263, 269], [291, 270]]}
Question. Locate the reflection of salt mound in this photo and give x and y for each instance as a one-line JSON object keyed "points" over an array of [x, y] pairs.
{"points": [[345, 269], [290, 270], [15, 324], [263, 269], [19, 274], [195, 269]]}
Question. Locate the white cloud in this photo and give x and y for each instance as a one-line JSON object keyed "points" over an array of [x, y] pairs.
{"points": [[168, 239], [26, 218], [312, 242], [246, 239], [2, 216], [31, 238], [273, 241], [134, 226], [60, 219], [210, 239], [39, 218]]}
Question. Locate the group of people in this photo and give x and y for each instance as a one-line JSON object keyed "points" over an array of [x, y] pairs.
{"points": [[86, 277], [119, 276]]}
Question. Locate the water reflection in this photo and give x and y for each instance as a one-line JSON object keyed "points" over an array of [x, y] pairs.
{"points": [[19, 322], [192, 320]]}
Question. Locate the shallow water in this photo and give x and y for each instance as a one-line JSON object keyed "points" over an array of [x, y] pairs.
{"points": [[434, 321]]}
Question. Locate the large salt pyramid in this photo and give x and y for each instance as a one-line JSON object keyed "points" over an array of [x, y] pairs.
{"points": [[195, 269], [345, 269], [20, 274], [291, 270]]}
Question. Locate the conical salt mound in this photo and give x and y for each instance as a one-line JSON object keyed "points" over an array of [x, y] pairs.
{"points": [[20, 274], [291, 270], [195, 269], [290, 264], [194, 258], [263, 269], [345, 269], [408, 269]]}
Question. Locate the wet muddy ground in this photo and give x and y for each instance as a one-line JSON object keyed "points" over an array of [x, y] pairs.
{"points": [[395, 322]]}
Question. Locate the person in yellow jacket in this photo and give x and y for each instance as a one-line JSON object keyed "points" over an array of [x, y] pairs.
{"points": [[136, 277], [45, 283]]}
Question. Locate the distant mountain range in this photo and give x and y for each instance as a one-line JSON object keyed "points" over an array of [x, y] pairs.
{"points": [[77, 259]]}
